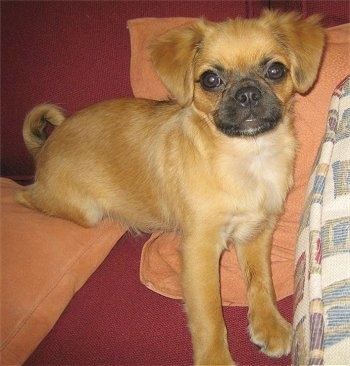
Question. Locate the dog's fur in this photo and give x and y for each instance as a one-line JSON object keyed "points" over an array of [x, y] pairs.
{"points": [[215, 163]]}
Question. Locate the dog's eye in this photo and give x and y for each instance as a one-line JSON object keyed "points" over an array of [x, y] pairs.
{"points": [[276, 71], [210, 80]]}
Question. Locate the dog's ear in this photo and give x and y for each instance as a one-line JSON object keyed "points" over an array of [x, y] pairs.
{"points": [[173, 55], [303, 39]]}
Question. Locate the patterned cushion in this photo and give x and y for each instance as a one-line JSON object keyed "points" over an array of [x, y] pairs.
{"points": [[322, 275]]}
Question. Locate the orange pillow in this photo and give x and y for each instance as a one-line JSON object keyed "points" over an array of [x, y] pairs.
{"points": [[161, 262], [44, 261]]}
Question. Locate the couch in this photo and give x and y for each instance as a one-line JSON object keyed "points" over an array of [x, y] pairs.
{"points": [[96, 296]]}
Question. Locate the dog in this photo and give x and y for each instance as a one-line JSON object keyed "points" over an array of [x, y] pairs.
{"points": [[214, 163]]}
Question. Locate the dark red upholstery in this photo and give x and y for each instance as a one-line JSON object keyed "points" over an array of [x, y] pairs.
{"points": [[73, 54], [114, 320]]}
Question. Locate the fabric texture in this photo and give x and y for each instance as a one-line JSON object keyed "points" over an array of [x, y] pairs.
{"points": [[161, 259], [322, 275], [44, 262], [114, 320]]}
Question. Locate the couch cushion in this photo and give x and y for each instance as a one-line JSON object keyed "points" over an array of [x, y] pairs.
{"points": [[44, 262], [160, 266]]}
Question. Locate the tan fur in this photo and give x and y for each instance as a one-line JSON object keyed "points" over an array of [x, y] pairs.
{"points": [[166, 165], [33, 131]]}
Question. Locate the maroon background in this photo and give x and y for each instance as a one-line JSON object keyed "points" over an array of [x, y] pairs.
{"points": [[74, 53]]}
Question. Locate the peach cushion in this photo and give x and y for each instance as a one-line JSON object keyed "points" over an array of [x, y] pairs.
{"points": [[161, 261], [44, 262]]}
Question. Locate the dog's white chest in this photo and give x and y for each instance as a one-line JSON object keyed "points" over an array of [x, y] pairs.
{"points": [[260, 180]]}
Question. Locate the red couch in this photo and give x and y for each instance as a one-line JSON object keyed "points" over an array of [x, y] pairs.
{"points": [[74, 54]]}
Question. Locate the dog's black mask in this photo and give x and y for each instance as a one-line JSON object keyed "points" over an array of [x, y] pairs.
{"points": [[248, 109]]}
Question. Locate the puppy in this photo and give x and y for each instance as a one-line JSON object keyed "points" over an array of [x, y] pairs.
{"points": [[215, 163]]}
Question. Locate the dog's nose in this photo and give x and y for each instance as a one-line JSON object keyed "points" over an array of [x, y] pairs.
{"points": [[248, 96]]}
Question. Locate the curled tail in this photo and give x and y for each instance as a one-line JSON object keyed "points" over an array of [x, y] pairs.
{"points": [[35, 122]]}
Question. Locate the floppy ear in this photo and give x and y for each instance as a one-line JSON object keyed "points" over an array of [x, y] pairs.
{"points": [[173, 55], [303, 39]]}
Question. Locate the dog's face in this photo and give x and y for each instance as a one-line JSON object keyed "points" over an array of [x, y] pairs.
{"points": [[241, 73]]}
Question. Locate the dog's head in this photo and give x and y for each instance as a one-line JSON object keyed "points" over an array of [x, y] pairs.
{"points": [[241, 73]]}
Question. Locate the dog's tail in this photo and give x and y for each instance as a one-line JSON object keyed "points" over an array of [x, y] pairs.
{"points": [[34, 125]]}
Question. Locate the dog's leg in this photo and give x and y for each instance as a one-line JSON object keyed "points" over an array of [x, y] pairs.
{"points": [[74, 207], [201, 287], [268, 329]]}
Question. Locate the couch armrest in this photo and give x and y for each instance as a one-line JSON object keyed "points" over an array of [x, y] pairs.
{"points": [[322, 277]]}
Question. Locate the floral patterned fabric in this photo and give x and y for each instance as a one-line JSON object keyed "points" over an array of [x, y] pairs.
{"points": [[322, 274]]}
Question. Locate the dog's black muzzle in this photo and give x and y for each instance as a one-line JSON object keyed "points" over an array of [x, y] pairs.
{"points": [[248, 110]]}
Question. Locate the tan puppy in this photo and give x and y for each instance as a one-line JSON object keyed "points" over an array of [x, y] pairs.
{"points": [[215, 163]]}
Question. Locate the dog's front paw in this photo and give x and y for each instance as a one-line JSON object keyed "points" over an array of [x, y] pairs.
{"points": [[273, 334]]}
